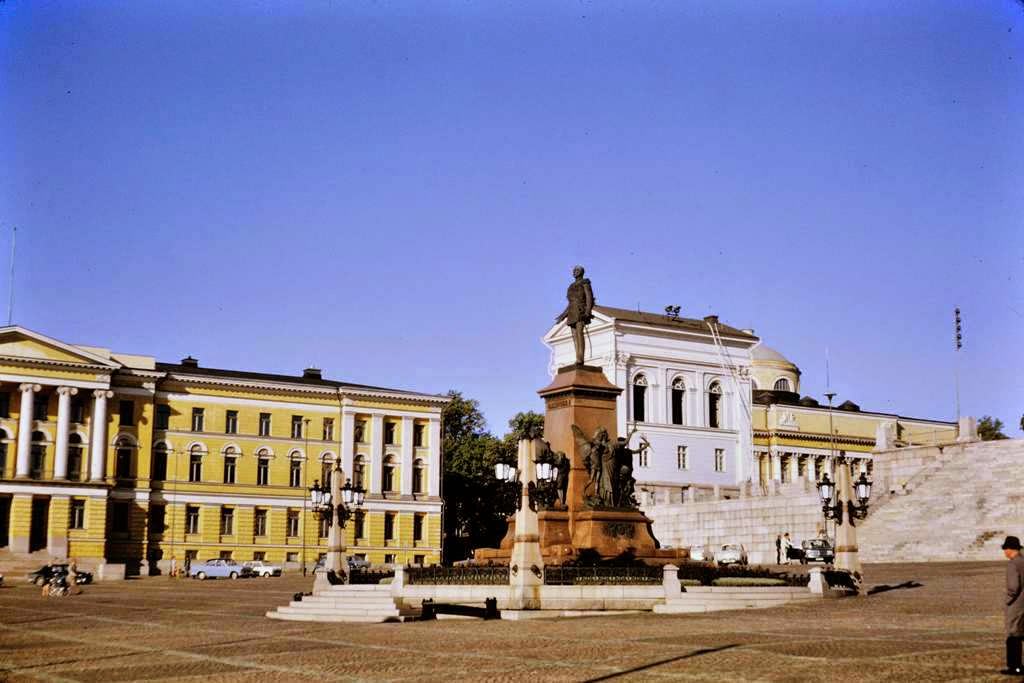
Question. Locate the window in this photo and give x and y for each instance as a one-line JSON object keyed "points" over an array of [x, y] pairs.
{"points": [[328, 429], [389, 527], [419, 473], [325, 473], [642, 458], [714, 405], [227, 521], [291, 557], [417, 527], [359, 518], [389, 474], [191, 554], [224, 555], [157, 519], [119, 516], [419, 433], [191, 519], [37, 456], [295, 474], [639, 398], [419, 560], [389, 433], [359, 431], [782, 384], [126, 413], [325, 527], [3, 460], [5, 404], [293, 523], [681, 458], [195, 464], [230, 458], [264, 424], [159, 469], [40, 403], [77, 410], [197, 419], [163, 417], [77, 517], [123, 465], [75, 451], [259, 522], [259, 555], [389, 558], [359, 471], [719, 460], [262, 468], [678, 394], [296, 426], [231, 422]]}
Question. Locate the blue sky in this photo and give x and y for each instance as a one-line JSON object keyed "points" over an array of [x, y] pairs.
{"points": [[397, 192]]}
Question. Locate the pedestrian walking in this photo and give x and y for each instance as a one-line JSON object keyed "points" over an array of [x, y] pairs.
{"points": [[787, 547], [1014, 606], [778, 549]]}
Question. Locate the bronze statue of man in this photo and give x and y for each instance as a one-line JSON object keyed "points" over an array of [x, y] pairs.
{"points": [[579, 312]]}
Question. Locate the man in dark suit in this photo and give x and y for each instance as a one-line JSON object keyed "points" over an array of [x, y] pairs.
{"points": [[1014, 606], [579, 312]]}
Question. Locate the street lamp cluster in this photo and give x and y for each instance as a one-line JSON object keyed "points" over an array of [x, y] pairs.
{"points": [[544, 491], [335, 503], [322, 501], [832, 505]]}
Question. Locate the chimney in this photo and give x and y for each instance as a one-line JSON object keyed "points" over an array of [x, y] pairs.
{"points": [[713, 319], [749, 330], [190, 362], [312, 373]]}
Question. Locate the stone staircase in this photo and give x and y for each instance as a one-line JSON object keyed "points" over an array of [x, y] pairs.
{"points": [[14, 566], [350, 603], [699, 599], [959, 508]]}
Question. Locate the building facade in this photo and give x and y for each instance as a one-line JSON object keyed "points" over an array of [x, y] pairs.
{"points": [[721, 410], [119, 459]]}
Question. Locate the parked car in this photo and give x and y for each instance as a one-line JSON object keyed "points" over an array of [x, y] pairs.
{"points": [[731, 553], [818, 550], [218, 569], [702, 553], [357, 563], [261, 568], [44, 574]]}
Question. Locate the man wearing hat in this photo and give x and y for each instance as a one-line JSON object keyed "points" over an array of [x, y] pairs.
{"points": [[1014, 606]]}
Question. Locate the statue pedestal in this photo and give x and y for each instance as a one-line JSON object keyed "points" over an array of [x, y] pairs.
{"points": [[581, 395]]}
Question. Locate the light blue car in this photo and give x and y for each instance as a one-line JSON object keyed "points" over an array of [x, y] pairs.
{"points": [[218, 569]]}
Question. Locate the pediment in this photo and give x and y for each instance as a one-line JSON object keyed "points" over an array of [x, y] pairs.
{"points": [[560, 329], [23, 344]]}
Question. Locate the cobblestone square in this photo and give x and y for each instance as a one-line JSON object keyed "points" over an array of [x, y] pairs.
{"points": [[948, 629]]}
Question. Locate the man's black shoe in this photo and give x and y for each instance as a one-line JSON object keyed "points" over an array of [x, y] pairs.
{"points": [[1012, 672]]}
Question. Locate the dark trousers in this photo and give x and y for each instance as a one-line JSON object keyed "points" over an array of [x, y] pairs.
{"points": [[778, 555], [1013, 652]]}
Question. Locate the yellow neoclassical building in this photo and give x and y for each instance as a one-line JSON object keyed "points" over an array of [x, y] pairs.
{"points": [[118, 459]]}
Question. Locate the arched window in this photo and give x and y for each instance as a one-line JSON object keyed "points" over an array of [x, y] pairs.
{"points": [[389, 474], [359, 471], [75, 449], [158, 470], [326, 465], [419, 476], [195, 463], [262, 467], [639, 396], [37, 463], [124, 465], [782, 384], [230, 464], [715, 405], [678, 396]]}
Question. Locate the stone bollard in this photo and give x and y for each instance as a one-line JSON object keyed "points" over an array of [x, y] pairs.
{"points": [[817, 582], [670, 582], [398, 582]]}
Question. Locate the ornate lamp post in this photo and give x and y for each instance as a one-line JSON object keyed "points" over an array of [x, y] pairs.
{"points": [[540, 491], [336, 504], [838, 503]]}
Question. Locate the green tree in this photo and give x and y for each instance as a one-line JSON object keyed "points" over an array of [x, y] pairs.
{"points": [[991, 429], [1022, 423], [528, 425], [476, 504]]}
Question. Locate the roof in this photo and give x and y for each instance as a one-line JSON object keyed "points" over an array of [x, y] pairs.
{"points": [[182, 369], [662, 320]]}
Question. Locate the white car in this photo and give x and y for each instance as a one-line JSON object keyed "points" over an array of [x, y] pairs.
{"points": [[732, 553], [702, 553], [261, 568]]}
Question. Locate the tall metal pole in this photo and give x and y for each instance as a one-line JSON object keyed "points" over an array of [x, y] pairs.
{"points": [[958, 339], [10, 301], [305, 475], [831, 438]]}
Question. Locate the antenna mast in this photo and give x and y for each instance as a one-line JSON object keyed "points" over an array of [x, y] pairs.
{"points": [[959, 343], [10, 300]]}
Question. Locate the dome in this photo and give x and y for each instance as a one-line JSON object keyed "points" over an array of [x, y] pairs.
{"points": [[771, 371], [767, 353]]}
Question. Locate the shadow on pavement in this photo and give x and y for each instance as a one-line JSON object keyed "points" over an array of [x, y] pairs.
{"points": [[688, 655], [883, 589]]}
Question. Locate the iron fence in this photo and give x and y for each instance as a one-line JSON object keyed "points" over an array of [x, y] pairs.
{"points": [[476, 575], [602, 576], [369, 576], [707, 573]]}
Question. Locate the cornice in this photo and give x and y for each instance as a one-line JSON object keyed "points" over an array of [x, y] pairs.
{"points": [[47, 362], [813, 436]]}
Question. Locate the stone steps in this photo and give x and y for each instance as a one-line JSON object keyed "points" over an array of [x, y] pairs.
{"points": [[362, 604]]}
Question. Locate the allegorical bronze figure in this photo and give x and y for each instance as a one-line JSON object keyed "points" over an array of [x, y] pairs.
{"points": [[579, 312]]}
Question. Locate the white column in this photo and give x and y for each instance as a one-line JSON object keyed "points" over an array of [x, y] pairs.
{"points": [[794, 462], [348, 442], [376, 453], [406, 485], [28, 395], [434, 459], [776, 467], [60, 457], [98, 434]]}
